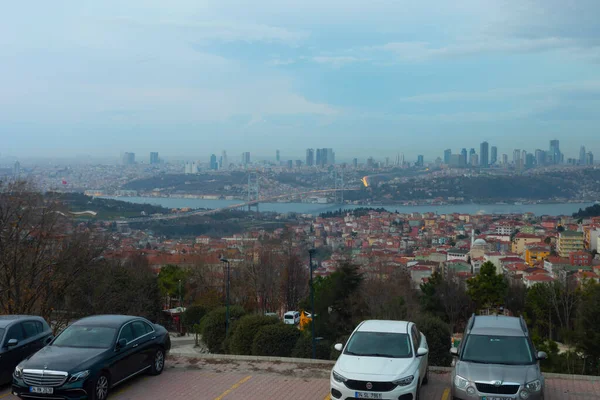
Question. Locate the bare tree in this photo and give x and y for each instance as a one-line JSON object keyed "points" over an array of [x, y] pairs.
{"points": [[564, 298]]}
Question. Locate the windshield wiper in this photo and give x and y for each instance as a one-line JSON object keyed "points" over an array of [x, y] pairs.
{"points": [[477, 361], [378, 355]]}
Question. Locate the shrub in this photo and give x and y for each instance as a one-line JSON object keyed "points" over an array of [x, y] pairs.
{"points": [[193, 315], [213, 326], [275, 340], [303, 348], [439, 340], [246, 329]]}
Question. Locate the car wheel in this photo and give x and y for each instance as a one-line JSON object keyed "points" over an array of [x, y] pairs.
{"points": [[426, 378], [158, 362], [100, 388]]}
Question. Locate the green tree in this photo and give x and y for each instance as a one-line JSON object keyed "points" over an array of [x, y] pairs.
{"points": [[213, 327], [588, 325], [430, 297], [487, 289], [169, 279], [439, 339]]}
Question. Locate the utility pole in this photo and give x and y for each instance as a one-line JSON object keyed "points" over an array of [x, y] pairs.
{"points": [[311, 252]]}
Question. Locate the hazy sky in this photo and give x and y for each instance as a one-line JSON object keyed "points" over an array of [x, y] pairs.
{"points": [[376, 77]]}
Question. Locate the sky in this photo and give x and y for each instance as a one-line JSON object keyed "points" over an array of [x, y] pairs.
{"points": [[188, 78]]}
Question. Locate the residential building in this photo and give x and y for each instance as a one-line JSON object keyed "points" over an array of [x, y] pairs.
{"points": [[154, 158], [494, 155], [246, 158], [474, 160], [569, 242], [540, 157], [504, 229], [457, 160], [464, 154], [447, 154], [580, 258], [472, 153], [224, 161], [589, 158], [534, 254], [531, 280], [517, 158], [128, 158], [310, 157], [504, 159], [592, 233], [457, 255], [523, 239], [420, 161]]}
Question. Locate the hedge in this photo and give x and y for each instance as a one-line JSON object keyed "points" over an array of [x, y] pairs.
{"points": [[192, 316], [245, 331], [275, 340], [213, 327], [439, 340], [303, 348]]}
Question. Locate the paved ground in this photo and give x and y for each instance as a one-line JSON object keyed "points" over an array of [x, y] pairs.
{"points": [[186, 379]]}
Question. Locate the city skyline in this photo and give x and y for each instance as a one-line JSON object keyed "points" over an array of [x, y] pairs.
{"points": [[103, 77]]}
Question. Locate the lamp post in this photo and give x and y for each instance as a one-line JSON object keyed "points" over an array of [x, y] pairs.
{"points": [[311, 252], [226, 261]]}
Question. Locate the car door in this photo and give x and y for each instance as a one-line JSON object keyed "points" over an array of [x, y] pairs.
{"points": [[416, 339], [144, 343], [12, 355], [33, 337], [124, 363]]}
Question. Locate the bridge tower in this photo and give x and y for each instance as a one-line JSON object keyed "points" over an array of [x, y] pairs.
{"points": [[253, 191], [339, 186]]}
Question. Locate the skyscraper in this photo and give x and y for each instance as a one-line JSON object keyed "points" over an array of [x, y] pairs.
{"points": [[589, 158], [447, 156], [17, 170], [355, 162], [484, 154], [330, 156], [494, 155], [474, 160], [523, 157], [529, 160], [319, 158], [246, 158], [213, 162], [471, 154], [277, 156], [310, 157], [464, 155], [540, 157], [582, 156], [517, 158], [420, 160], [154, 158], [505, 159], [224, 161], [555, 151], [128, 158]]}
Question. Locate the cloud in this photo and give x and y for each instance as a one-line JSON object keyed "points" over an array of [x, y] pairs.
{"points": [[337, 61]]}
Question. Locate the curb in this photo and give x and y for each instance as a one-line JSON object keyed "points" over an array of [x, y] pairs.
{"points": [[308, 361]]}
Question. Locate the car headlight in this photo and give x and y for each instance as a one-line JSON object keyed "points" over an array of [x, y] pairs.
{"points": [[404, 381], [534, 386], [18, 372], [79, 376], [460, 382], [338, 378], [524, 394]]}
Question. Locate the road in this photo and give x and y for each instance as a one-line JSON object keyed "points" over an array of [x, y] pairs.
{"points": [[226, 380]]}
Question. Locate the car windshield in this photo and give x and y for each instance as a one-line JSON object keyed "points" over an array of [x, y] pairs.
{"points": [[97, 337], [379, 344], [489, 349]]}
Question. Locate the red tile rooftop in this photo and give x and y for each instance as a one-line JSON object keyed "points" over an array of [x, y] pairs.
{"points": [[539, 278]]}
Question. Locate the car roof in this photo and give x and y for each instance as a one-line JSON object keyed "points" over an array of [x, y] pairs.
{"points": [[499, 325], [375, 325], [6, 320], [110, 321]]}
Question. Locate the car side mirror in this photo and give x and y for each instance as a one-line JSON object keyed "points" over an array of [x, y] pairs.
{"points": [[48, 340], [12, 343], [454, 351], [422, 351], [121, 344], [339, 347], [541, 355]]}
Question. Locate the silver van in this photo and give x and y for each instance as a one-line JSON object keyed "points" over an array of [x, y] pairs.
{"points": [[496, 360]]}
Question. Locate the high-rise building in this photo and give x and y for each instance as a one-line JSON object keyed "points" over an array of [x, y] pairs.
{"points": [[224, 161], [246, 158], [505, 159], [310, 157], [17, 170], [472, 152], [494, 155], [484, 155], [370, 162], [464, 153], [298, 163], [330, 157], [474, 160], [277, 156], [517, 158], [529, 160], [447, 155], [128, 158], [420, 160], [557, 157], [355, 162], [540, 157], [213, 162], [290, 164], [458, 160], [582, 156], [154, 158], [523, 158], [589, 158], [319, 160]]}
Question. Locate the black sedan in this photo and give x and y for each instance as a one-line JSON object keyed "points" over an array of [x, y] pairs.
{"points": [[20, 337], [92, 356]]}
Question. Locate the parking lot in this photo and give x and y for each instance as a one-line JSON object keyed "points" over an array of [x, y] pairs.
{"points": [[187, 378]]}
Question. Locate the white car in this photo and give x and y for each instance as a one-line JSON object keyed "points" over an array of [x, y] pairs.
{"points": [[381, 360]]}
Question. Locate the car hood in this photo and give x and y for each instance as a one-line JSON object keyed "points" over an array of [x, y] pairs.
{"points": [[373, 368], [66, 359], [496, 372]]}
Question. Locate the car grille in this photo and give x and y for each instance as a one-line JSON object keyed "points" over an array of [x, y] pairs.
{"points": [[44, 378], [376, 386], [493, 389]]}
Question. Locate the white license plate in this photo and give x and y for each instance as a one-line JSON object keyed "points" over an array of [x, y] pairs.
{"points": [[496, 398], [368, 395], [41, 390]]}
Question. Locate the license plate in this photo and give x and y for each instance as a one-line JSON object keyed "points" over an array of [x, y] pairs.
{"points": [[368, 395], [41, 390], [496, 398]]}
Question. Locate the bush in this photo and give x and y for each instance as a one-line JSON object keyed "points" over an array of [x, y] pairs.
{"points": [[213, 327], [303, 348], [439, 340], [276, 340], [192, 316], [246, 329]]}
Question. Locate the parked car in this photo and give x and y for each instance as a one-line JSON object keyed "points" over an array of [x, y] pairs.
{"points": [[497, 360], [92, 356], [381, 360], [20, 337]]}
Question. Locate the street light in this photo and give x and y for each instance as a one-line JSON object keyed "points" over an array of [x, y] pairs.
{"points": [[226, 261], [311, 252]]}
